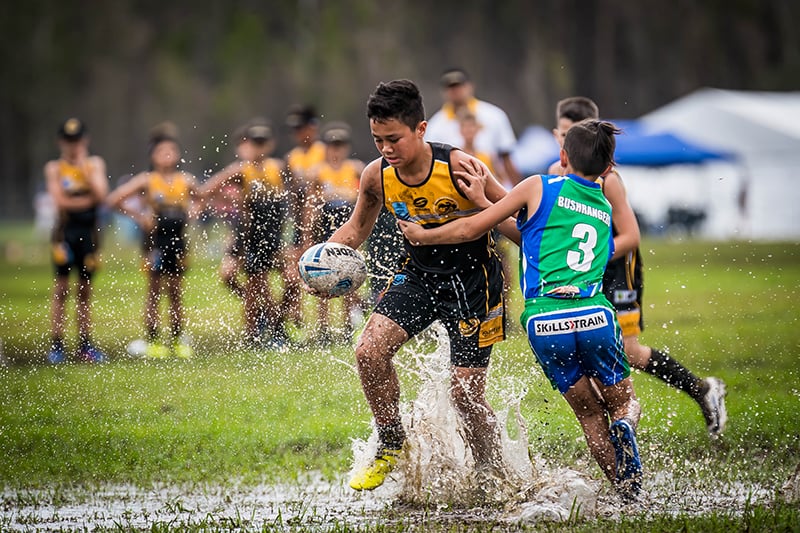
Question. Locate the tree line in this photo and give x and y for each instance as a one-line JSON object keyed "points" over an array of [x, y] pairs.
{"points": [[124, 65]]}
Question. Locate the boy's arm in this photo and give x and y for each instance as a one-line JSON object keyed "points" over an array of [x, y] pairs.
{"points": [[98, 179], [116, 200], [527, 194], [62, 201], [622, 216], [195, 208], [54, 188], [218, 179]]}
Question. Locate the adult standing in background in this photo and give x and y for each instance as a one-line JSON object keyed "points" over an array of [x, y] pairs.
{"points": [[496, 135], [78, 184]]}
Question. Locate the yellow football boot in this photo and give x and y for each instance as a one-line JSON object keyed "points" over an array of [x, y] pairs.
{"points": [[183, 350], [156, 350], [373, 475]]}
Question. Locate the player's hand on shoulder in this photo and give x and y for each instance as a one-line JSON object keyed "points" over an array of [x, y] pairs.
{"points": [[472, 180]]}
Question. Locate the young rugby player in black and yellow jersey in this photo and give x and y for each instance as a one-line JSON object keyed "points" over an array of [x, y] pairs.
{"points": [[461, 285], [623, 284], [167, 193], [264, 210], [332, 195], [77, 183]]}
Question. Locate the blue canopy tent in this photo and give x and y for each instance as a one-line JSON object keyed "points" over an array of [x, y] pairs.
{"points": [[654, 190], [638, 147], [537, 149]]}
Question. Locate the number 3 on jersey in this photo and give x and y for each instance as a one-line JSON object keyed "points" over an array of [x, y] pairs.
{"points": [[581, 259]]}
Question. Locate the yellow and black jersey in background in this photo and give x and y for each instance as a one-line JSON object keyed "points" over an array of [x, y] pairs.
{"points": [[339, 183], [263, 180], [169, 196]]}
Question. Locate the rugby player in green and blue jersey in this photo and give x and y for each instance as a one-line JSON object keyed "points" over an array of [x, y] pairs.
{"points": [[566, 242]]}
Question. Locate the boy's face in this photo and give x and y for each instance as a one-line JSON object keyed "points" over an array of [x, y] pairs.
{"points": [[305, 135], [459, 95], [259, 148], [72, 148], [397, 142], [469, 129], [165, 154], [560, 131], [244, 151], [337, 151]]}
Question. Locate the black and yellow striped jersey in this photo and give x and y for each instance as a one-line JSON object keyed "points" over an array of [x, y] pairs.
{"points": [[434, 202]]}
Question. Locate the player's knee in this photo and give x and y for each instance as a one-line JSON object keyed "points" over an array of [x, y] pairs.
{"points": [[463, 402]]}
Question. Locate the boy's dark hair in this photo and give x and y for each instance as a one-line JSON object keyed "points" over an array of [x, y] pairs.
{"points": [[577, 108], [164, 132], [301, 115], [397, 99], [590, 146], [72, 129]]}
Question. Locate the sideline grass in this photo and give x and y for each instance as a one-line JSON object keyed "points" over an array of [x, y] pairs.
{"points": [[727, 309]]}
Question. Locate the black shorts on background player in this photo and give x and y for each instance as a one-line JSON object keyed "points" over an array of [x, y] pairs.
{"points": [[75, 244], [623, 284], [165, 247], [262, 229]]}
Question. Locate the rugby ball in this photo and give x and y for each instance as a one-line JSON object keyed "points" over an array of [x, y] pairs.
{"points": [[332, 269]]}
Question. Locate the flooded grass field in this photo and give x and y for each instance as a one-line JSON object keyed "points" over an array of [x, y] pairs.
{"points": [[262, 440], [560, 498]]}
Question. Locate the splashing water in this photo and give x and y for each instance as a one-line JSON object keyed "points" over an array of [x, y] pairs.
{"points": [[438, 468]]}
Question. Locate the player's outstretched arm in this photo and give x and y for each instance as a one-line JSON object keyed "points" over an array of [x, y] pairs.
{"points": [[218, 179], [116, 199], [525, 195]]}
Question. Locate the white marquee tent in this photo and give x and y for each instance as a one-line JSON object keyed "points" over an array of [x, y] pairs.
{"points": [[762, 130]]}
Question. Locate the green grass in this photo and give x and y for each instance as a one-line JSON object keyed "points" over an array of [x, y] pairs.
{"points": [[232, 414]]}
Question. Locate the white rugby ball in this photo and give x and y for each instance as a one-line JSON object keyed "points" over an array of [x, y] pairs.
{"points": [[333, 269]]}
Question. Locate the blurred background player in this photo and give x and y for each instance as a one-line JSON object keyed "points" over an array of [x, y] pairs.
{"points": [[307, 153], [167, 193], [260, 234], [77, 184], [496, 136], [623, 284], [333, 194]]}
